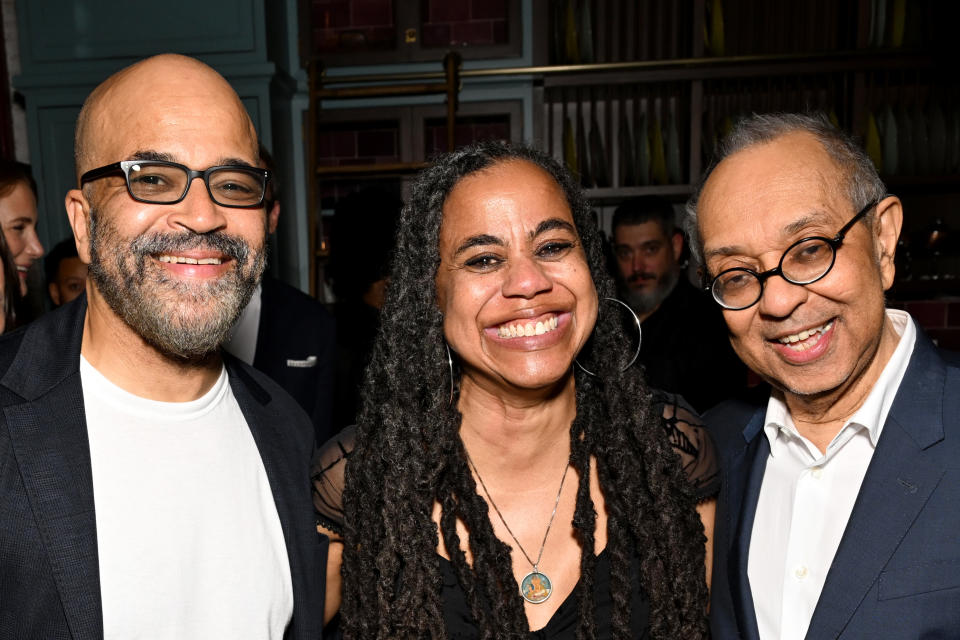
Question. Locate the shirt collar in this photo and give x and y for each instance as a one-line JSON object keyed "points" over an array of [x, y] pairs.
{"points": [[873, 412]]}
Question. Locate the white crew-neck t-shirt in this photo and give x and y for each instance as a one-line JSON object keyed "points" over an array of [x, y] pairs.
{"points": [[188, 536]]}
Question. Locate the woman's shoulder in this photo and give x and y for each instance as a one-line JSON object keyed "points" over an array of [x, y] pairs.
{"points": [[691, 440], [328, 476]]}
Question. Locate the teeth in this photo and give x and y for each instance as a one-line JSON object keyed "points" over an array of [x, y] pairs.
{"points": [[803, 335], [185, 260], [529, 329]]}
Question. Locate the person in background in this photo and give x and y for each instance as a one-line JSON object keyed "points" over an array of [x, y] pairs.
{"points": [[66, 273], [361, 243], [287, 334], [18, 217], [839, 507], [684, 347], [9, 288]]}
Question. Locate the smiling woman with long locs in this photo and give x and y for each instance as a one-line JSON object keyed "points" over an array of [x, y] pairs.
{"points": [[491, 487]]}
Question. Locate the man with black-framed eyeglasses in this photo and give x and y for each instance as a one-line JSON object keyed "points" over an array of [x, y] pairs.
{"points": [[840, 497], [152, 485]]}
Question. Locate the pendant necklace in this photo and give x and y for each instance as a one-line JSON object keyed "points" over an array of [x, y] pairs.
{"points": [[535, 586]]}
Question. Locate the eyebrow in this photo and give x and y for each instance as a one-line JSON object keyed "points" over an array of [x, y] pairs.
{"points": [[477, 241], [484, 239], [159, 156], [798, 225], [152, 155], [552, 224], [646, 243], [791, 229]]}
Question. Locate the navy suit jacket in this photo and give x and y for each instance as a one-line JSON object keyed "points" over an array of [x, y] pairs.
{"points": [[896, 573], [296, 347], [49, 570]]}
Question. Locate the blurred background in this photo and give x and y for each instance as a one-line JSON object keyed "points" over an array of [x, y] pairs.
{"points": [[631, 95]]}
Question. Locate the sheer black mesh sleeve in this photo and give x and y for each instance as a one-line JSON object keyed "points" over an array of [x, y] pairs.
{"points": [[687, 434], [329, 466], [690, 439]]}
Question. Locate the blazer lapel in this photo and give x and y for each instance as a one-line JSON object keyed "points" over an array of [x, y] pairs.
{"points": [[49, 436], [253, 400], [897, 484], [745, 480]]}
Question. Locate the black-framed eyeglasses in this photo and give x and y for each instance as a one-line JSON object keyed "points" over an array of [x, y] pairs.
{"points": [[160, 182], [804, 262]]}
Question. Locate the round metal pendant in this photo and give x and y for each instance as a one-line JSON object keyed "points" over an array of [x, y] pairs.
{"points": [[536, 587]]}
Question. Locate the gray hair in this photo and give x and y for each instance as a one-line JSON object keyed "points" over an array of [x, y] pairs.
{"points": [[859, 177]]}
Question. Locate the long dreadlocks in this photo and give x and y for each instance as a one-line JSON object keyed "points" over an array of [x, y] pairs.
{"points": [[409, 456]]}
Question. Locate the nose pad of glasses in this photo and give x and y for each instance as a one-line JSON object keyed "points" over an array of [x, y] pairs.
{"points": [[197, 210], [779, 296]]}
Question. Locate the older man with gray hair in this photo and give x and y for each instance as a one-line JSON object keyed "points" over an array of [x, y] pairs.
{"points": [[840, 505]]}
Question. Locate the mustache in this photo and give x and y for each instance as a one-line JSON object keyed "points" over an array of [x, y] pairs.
{"points": [[641, 275], [154, 243]]}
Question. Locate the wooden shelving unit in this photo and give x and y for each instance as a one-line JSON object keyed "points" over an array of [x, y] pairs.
{"points": [[639, 109]]}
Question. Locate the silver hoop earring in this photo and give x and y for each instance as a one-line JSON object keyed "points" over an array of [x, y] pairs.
{"points": [[636, 353], [450, 364]]}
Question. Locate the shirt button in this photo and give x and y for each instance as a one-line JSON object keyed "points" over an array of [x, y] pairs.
{"points": [[816, 472], [800, 572]]}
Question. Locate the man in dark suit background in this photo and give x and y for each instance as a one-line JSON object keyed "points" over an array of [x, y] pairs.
{"points": [[150, 487], [289, 335], [840, 501]]}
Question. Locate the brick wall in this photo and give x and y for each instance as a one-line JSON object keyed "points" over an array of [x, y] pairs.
{"points": [[940, 319], [353, 143], [358, 25], [463, 22], [468, 129]]}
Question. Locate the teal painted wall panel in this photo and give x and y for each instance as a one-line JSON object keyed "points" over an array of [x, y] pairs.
{"points": [[79, 32], [67, 47], [56, 174]]}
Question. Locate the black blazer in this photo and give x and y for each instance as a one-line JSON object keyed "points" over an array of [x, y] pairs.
{"points": [[896, 573], [49, 571], [296, 347]]}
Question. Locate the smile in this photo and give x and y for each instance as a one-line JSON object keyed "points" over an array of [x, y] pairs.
{"points": [[22, 269], [185, 260], [524, 329], [805, 339]]}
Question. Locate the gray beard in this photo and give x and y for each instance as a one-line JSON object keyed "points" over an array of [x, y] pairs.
{"points": [[184, 321], [647, 302]]}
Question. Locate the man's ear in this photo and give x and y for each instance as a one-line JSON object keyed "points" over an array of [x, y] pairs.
{"points": [[273, 216], [78, 212], [886, 232]]}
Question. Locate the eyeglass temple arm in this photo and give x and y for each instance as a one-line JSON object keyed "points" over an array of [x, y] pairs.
{"points": [[93, 174], [843, 231]]}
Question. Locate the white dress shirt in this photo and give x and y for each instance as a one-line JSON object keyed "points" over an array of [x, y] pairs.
{"points": [[807, 496]]}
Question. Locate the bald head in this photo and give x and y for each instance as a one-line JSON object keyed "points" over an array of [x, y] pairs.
{"points": [[161, 93]]}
